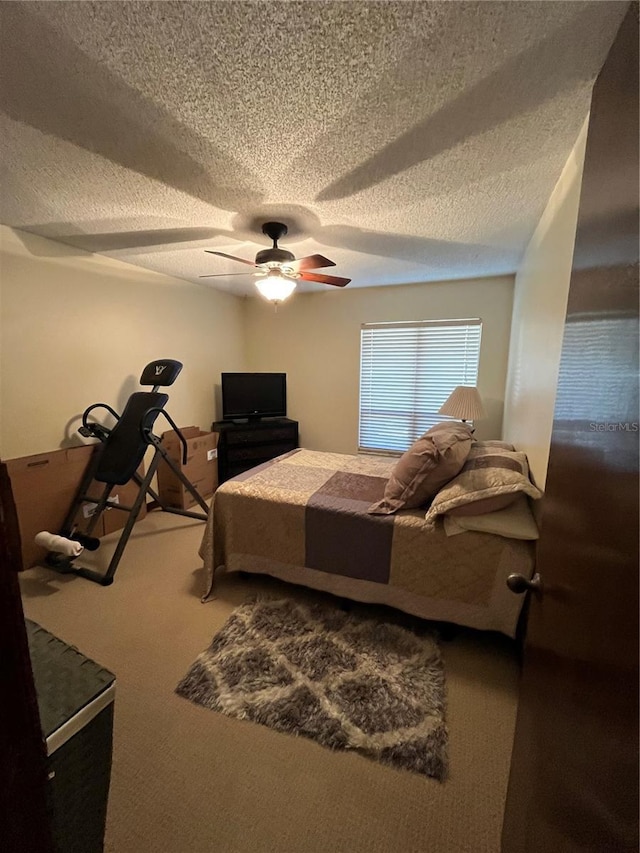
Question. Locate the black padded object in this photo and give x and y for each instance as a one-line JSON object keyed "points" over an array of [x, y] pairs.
{"points": [[68, 683], [125, 447], [162, 372], [65, 679]]}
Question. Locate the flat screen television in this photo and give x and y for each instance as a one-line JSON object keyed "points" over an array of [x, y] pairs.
{"points": [[253, 396]]}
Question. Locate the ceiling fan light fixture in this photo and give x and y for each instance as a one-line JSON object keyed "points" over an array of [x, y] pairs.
{"points": [[275, 287], [278, 269]]}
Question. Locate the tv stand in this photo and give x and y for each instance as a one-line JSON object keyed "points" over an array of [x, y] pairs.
{"points": [[244, 445], [253, 419]]}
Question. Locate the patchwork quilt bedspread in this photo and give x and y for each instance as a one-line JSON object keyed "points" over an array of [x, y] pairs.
{"points": [[303, 518]]}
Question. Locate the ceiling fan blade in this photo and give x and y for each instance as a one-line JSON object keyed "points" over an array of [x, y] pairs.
{"points": [[325, 279], [225, 274], [312, 262], [231, 257]]}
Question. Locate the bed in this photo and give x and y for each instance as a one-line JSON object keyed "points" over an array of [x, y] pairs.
{"points": [[304, 518]]}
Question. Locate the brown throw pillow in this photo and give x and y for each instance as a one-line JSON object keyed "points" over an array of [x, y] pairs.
{"points": [[493, 443], [484, 505], [431, 461]]}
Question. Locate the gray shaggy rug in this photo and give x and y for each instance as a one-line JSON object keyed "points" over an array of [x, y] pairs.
{"points": [[345, 680]]}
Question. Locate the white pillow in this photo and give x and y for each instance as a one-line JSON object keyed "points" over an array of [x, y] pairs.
{"points": [[514, 522]]}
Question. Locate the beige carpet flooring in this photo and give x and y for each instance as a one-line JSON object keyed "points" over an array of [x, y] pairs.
{"points": [[188, 780]]}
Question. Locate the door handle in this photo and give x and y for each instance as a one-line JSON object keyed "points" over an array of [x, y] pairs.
{"points": [[519, 583]]}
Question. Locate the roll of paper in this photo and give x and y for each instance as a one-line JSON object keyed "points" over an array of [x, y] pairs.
{"points": [[59, 544]]}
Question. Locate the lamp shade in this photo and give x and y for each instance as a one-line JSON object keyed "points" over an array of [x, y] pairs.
{"points": [[276, 287], [465, 403]]}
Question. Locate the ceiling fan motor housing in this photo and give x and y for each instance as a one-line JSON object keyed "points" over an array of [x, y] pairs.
{"points": [[274, 257], [277, 263]]}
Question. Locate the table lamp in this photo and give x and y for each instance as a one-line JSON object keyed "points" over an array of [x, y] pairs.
{"points": [[464, 403]]}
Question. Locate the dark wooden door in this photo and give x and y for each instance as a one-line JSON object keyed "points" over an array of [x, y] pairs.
{"points": [[574, 772]]}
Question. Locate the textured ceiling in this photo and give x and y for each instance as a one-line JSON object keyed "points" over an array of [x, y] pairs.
{"points": [[406, 141]]}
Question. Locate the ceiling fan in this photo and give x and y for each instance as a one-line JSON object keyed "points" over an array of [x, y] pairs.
{"points": [[277, 269]]}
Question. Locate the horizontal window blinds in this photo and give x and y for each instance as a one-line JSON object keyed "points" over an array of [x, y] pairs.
{"points": [[602, 346], [407, 371]]}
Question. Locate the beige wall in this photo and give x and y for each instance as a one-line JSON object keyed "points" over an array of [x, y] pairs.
{"points": [[315, 339], [76, 329], [539, 308]]}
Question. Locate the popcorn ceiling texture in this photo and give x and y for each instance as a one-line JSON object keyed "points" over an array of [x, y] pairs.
{"points": [[407, 141]]}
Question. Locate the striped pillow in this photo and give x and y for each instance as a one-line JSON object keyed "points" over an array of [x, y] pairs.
{"points": [[487, 473]]}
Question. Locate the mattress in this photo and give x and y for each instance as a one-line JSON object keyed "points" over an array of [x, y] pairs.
{"points": [[303, 517]]}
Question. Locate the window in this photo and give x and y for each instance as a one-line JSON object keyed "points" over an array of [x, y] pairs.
{"points": [[596, 346], [407, 371]]}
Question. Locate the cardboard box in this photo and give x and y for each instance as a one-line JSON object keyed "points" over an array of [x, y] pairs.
{"points": [[181, 498], [201, 467], [114, 519], [44, 487]]}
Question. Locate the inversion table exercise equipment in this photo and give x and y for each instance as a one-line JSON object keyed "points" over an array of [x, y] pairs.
{"points": [[114, 463]]}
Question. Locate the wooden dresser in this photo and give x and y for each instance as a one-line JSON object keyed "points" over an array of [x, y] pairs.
{"points": [[243, 445]]}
